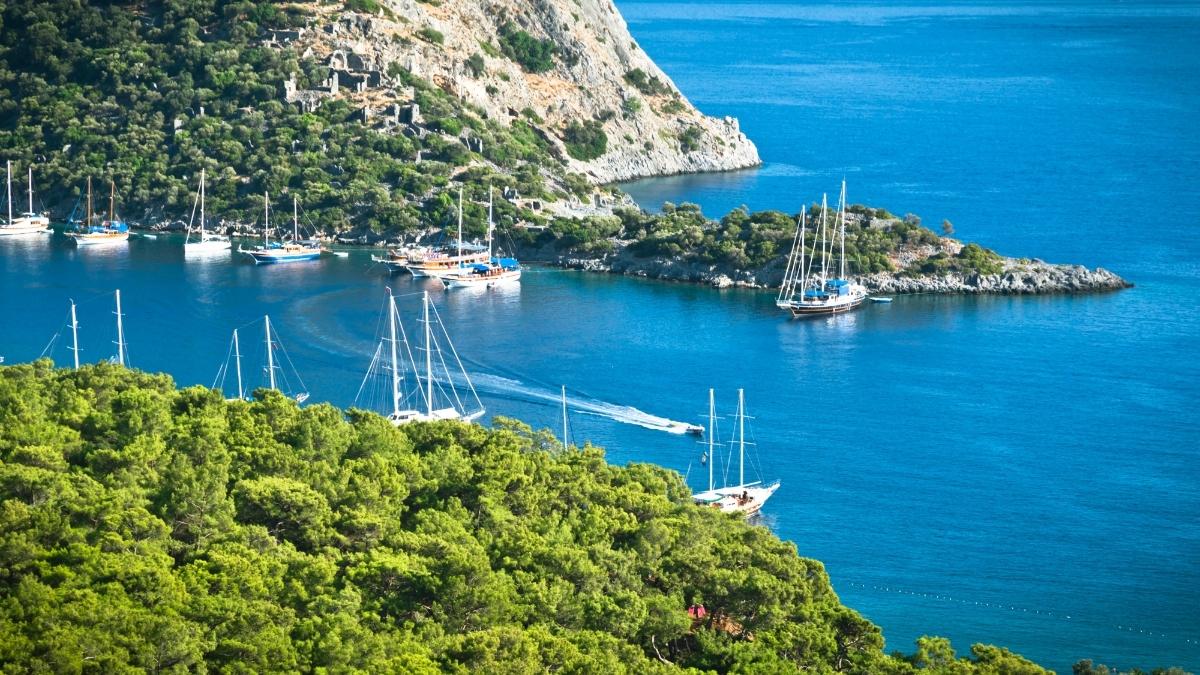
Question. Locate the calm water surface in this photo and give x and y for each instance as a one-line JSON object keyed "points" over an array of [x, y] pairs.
{"points": [[1020, 471]]}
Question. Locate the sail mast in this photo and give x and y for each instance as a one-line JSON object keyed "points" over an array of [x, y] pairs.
{"points": [[9, 164], [89, 205], [564, 410], [824, 251], [395, 360], [490, 223], [120, 332], [112, 202], [842, 215], [460, 222], [75, 335], [266, 218], [237, 356], [741, 438], [31, 190], [201, 205], [712, 416], [270, 352], [295, 219], [428, 357]]}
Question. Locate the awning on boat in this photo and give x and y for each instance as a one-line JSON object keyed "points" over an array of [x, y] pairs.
{"points": [[506, 263]]}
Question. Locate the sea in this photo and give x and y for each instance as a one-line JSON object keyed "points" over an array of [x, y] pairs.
{"points": [[1020, 471]]}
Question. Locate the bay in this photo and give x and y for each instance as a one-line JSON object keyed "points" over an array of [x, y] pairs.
{"points": [[1020, 471]]}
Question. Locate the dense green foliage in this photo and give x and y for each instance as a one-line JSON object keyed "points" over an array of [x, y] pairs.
{"points": [[97, 89], [647, 84], [534, 55], [585, 141], [742, 240], [150, 528], [1086, 667]]}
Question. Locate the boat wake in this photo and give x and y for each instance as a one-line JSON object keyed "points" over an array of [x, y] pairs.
{"points": [[511, 388]]}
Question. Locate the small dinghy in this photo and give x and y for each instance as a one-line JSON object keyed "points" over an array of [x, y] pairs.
{"points": [[881, 300]]}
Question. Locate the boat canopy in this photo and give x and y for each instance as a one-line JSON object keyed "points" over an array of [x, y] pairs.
{"points": [[506, 263], [478, 267]]}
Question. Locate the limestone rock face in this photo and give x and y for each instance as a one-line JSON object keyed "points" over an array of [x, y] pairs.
{"points": [[651, 127]]}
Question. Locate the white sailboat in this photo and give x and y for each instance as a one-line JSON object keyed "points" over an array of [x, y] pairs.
{"points": [[494, 272], [288, 251], [745, 498], [440, 402], [807, 291], [272, 370], [204, 243], [30, 222], [438, 263], [111, 231]]}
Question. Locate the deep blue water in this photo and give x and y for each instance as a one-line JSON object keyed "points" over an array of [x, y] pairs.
{"points": [[1021, 471]]}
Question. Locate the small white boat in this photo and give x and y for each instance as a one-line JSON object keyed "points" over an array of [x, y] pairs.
{"points": [[27, 223], [111, 231], [204, 243], [745, 498], [880, 299], [291, 251]]}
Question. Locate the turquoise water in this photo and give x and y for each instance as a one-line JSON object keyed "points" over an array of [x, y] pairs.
{"points": [[1020, 471]]}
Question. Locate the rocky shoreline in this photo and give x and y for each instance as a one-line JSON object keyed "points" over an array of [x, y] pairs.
{"points": [[1019, 276]]}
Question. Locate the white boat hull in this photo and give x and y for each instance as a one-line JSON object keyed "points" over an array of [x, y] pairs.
{"points": [[26, 226], [480, 280], [208, 247], [744, 499]]}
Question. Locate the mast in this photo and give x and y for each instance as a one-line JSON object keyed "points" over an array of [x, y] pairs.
{"points": [[9, 164], [266, 218], [712, 416], [564, 410], [741, 438], [824, 253], [295, 219], [202, 205], [803, 270], [237, 356], [270, 352], [31, 190], [428, 356], [395, 361], [75, 335], [120, 332], [112, 202], [490, 223], [460, 222], [89, 208], [842, 214]]}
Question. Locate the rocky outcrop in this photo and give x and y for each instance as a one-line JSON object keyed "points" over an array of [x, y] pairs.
{"points": [[599, 74], [1019, 277]]}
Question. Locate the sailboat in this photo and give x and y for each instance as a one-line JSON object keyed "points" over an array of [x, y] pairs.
{"points": [[745, 498], [289, 251], [205, 243], [29, 222], [808, 291], [111, 231], [429, 400], [450, 405], [438, 262], [273, 370], [122, 355], [488, 274]]}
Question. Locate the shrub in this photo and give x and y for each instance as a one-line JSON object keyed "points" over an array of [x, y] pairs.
{"points": [[647, 84], [475, 65], [689, 139], [365, 6], [585, 141], [534, 55], [432, 35]]}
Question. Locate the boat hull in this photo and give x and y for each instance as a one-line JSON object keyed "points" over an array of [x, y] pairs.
{"points": [[838, 306], [26, 226], [273, 258], [99, 239], [482, 281], [211, 247], [747, 500]]}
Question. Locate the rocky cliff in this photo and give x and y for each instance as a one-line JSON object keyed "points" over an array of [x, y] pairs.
{"points": [[595, 73]]}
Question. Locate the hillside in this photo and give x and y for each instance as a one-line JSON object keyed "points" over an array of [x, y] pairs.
{"points": [[151, 528], [366, 110]]}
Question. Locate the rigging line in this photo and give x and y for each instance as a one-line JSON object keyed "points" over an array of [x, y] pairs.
{"points": [[370, 371], [457, 360]]}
